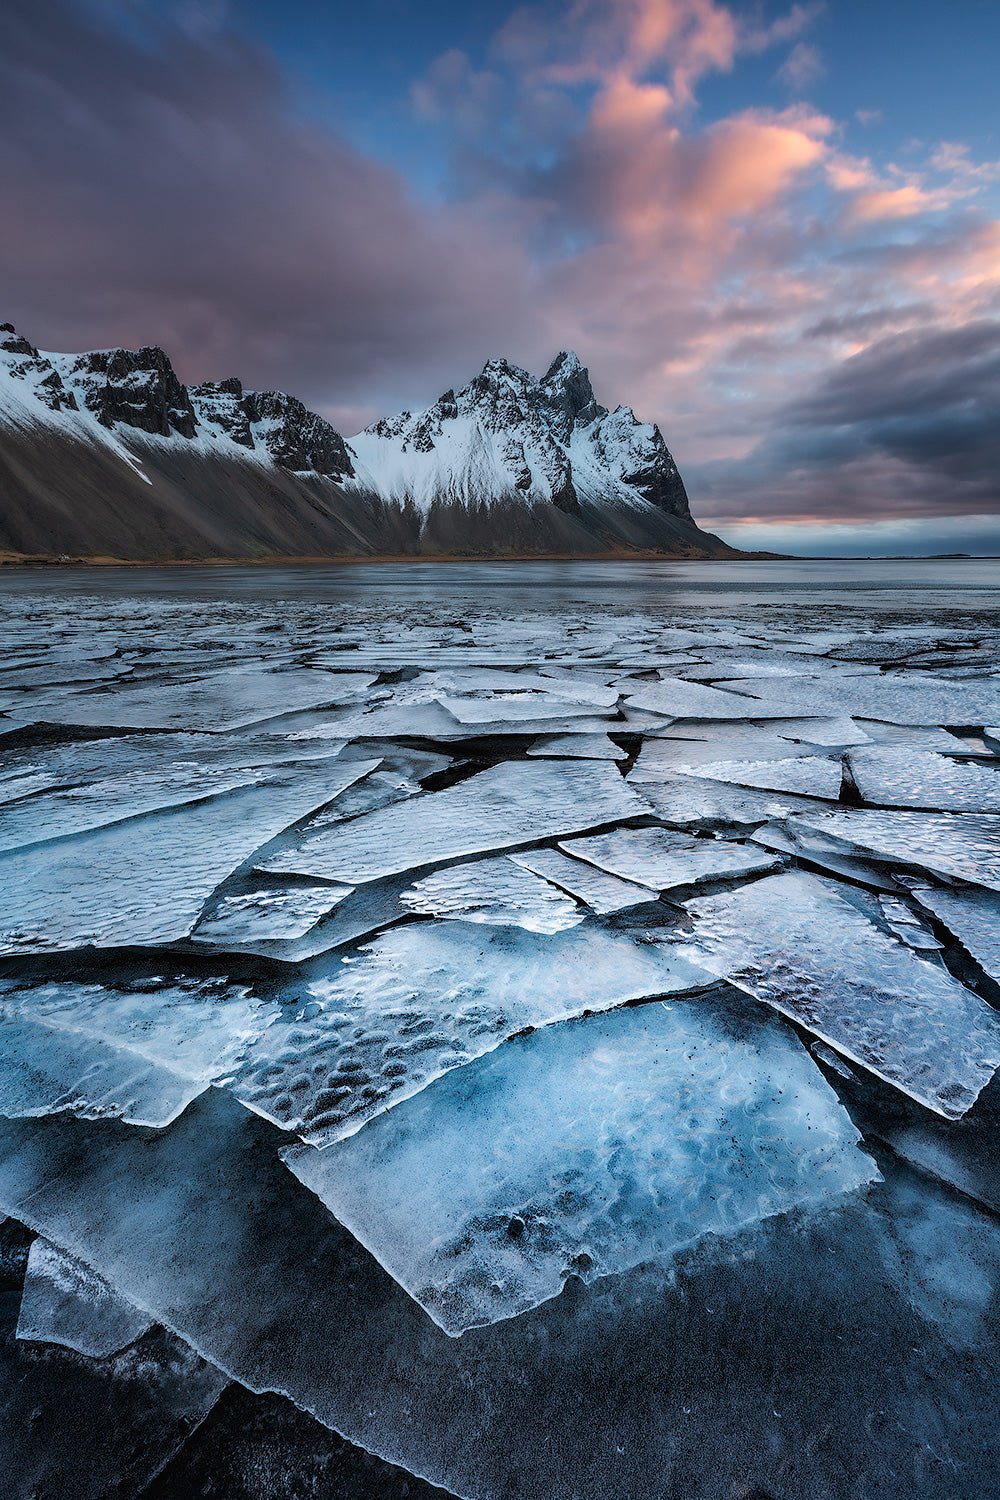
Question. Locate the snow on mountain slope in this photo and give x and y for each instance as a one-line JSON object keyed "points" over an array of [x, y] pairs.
{"points": [[508, 434]]}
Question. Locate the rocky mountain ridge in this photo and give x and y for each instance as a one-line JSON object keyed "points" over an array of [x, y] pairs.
{"points": [[509, 465]]}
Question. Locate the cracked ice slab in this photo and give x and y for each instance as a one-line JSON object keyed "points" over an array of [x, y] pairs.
{"points": [[691, 700], [587, 1148], [973, 917], [145, 882], [516, 802], [893, 697], [496, 891], [794, 943], [965, 846], [600, 891], [921, 779], [140, 1054], [65, 1302], [659, 858], [268, 915], [804, 776], [426, 998]]}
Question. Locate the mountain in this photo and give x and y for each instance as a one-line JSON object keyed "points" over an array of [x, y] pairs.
{"points": [[108, 455]]}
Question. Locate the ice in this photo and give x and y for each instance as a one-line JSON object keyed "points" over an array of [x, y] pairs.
{"points": [[691, 700], [603, 893], [64, 1302], [895, 697], [831, 732], [806, 776], [577, 746], [422, 999], [661, 858], [917, 737], [265, 1282], [795, 943], [825, 856], [228, 699], [509, 804], [144, 882], [973, 917], [908, 926], [132, 1053], [682, 745], [965, 846], [586, 1149], [268, 915], [497, 891], [913, 778]]}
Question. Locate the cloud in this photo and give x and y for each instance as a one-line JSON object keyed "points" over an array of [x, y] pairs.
{"points": [[802, 66]]}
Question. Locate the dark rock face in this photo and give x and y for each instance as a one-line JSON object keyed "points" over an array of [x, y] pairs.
{"points": [[297, 439], [38, 373], [566, 384], [136, 387], [219, 404]]}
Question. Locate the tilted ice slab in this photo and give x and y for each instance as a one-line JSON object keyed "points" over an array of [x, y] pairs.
{"points": [[915, 778], [691, 700], [965, 846], [660, 858], [65, 1302], [793, 942], [578, 747], [144, 882], [806, 776], [974, 919], [140, 1054], [268, 915], [602, 892], [423, 999], [524, 708], [704, 744], [587, 1148], [496, 891], [509, 804], [908, 926], [221, 700]]}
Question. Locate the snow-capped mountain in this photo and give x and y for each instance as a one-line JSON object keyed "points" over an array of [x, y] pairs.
{"points": [[510, 434], [109, 454]]}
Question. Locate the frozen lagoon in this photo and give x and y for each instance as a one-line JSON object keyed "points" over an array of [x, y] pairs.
{"points": [[539, 1018]]}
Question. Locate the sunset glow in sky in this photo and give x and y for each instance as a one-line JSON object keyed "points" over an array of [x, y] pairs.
{"points": [[774, 229]]}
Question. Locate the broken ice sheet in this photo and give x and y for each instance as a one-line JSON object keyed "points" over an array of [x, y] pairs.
{"points": [[140, 1054], [497, 891], [268, 914], [516, 802], [602, 892], [577, 747], [964, 846], [692, 700], [65, 1302], [908, 926], [514, 709], [805, 776], [145, 882], [425, 998], [587, 1148], [660, 857], [974, 919], [902, 777], [795, 943], [893, 697]]}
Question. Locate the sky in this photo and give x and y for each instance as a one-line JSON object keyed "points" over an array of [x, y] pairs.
{"points": [[773, 229]]}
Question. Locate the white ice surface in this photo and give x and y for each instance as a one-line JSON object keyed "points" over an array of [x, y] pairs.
{"points": [[65, 1302]]}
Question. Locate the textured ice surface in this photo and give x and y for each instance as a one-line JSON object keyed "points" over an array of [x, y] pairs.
{"points": [[145, 882], [509, 804], [965, 846], [691, 700], [577, 747], [525, 707], [496, 891], [64, 1302], [602, 892], [140, 1053], [587, 1148], [908, 925], [268, 915], [913, 778], [222, 700], [974, 919], [795, 943], [898, 698], [426, 998], [807, 776], [660, 857]]}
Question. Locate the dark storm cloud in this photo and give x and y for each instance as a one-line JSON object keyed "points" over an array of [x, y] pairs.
{"points": [[908, 427], [157, 186]]}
